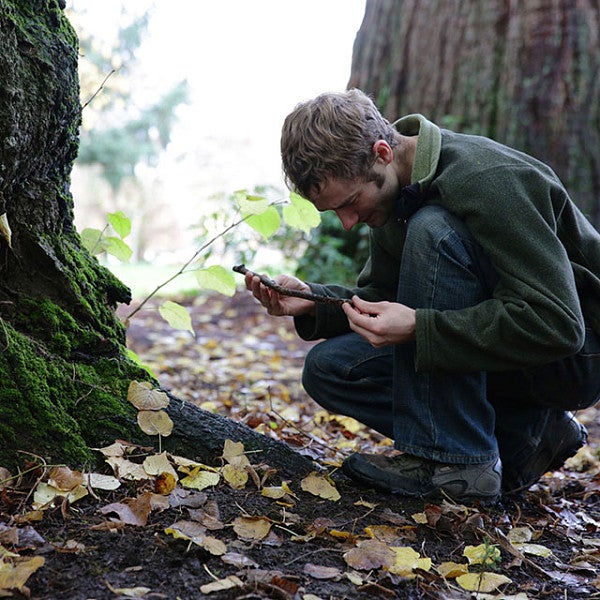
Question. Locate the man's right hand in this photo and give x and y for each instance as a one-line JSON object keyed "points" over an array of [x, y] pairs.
{"points": [[277, 304]]}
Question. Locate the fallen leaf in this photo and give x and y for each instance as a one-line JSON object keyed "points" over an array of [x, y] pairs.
{"points": [[98, 481], [196, 533], [46, 493], [252, 528], [233, 453], [370, 554], [534, 549], [165, 483], [200, 479], [451, 570], [155, 464], [143, 397], [318, 485], [321, 572], [484, 554], [126, 469], [133, 511], [222, 584], [64, 478], [482, 582], [235, 476], [407, 560], [519, 535], [15, 571], [238, 560]]}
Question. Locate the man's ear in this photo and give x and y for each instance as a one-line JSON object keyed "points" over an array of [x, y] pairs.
{"points": [[383, 151]]}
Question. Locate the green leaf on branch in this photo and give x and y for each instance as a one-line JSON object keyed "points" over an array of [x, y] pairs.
{"points": [[249, 204], [301, 213], [216, 278], [92, 240], [120, 223], [265, 223], [176, 316], [118, 248]]}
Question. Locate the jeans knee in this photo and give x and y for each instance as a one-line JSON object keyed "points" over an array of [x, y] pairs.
{"points": [[313, 369]]}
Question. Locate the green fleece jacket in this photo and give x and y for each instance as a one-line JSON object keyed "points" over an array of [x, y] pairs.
{"points": [[545, 251]]}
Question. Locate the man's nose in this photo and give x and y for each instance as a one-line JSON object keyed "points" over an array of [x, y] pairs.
{"points": [[347, 219]]}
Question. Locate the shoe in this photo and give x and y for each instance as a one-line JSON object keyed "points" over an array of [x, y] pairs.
{"points": [[407, 475], [563, 436]]}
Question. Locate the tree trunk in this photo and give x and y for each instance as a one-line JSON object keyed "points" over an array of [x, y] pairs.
{"points": [[64, 372], [524, 73]]}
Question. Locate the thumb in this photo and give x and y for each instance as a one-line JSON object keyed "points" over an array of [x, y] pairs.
{"points": [[364, 306]]}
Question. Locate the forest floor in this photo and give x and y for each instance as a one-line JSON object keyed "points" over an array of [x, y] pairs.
{"points": [[294, 540]]}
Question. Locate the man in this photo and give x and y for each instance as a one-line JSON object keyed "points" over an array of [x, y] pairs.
{"points": [[475, 323]]}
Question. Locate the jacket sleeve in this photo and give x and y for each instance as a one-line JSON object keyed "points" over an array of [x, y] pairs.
{"points": [[378, 280]]}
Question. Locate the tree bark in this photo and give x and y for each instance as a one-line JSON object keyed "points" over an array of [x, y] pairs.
{"points": [[64, 370], [524, 73]]}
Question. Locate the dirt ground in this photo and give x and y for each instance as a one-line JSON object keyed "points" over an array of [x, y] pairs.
{"points": [[247, 367]]}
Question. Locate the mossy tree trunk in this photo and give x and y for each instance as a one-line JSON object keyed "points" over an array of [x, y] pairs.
{"points": [[524, 73], [64, 373]]}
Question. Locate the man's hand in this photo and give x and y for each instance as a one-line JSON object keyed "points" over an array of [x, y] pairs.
{"points": [[381, 323], [277, 304]]}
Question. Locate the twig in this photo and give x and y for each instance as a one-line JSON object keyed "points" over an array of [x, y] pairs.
{"points": [[99, 89], [284, 291]]}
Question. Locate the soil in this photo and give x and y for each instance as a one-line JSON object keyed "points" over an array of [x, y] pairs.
{"points": [[92, 555]]}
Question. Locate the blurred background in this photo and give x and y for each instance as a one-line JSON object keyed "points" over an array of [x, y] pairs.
{"points": [[183, 105]]}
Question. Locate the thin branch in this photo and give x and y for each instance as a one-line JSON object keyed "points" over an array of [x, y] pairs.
{"points": [[284, 291], [99, 89]]}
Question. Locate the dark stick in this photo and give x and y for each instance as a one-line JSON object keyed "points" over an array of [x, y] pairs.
{"points": [[290, 292]]}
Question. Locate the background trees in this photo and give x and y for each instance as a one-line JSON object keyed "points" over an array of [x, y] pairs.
{"points": [[524, 73]]}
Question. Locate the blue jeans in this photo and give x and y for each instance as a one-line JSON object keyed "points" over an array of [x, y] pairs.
{"points": [[454, 417]]}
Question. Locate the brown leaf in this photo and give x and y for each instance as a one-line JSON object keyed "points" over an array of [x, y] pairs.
{"points": [[370, 554], [133, 511]]}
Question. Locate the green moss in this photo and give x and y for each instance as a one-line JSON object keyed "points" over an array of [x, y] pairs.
{"points": [[56, 409]]}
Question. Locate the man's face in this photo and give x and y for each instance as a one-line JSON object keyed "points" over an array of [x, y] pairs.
{"points": [[359, 201]]}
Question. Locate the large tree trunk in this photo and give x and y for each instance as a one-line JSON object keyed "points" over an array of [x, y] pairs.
{"points": [[64, 373], [524, 73]]}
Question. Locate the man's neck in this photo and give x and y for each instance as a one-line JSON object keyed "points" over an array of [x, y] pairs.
{"points": [[404, 158]]}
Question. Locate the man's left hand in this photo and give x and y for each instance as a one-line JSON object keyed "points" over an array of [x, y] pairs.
{"points": [[381, 323]]}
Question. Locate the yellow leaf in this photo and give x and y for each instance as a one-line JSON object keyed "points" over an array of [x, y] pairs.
{"points": [[273, 492], [14, 574], [165, 483], [155, 422], [156, 464], [407, 560], [484, 554], [482, 582], [318, 485], [126, 469], [200, 480], [534, 549], [143, 397], [451, 570], [519, 535], [233, 453], [45, 493], [252, 528], [222, 584], [420, 518], [236, 477]]}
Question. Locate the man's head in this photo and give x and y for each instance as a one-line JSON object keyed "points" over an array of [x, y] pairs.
{"points": [[332, 137]]}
